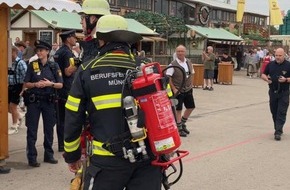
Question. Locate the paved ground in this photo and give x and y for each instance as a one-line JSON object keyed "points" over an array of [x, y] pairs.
{"points": [[231, 146]]}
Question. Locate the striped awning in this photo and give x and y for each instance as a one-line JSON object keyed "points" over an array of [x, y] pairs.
{"points": [[153, 39], [59, 5], [229, 42]]}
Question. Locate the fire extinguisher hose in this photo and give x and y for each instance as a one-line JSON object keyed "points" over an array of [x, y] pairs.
{"points": [[183, 78], [165, 177]]}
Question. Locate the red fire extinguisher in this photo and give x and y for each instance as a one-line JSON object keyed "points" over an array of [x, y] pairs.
{"points": [[149, 90]]}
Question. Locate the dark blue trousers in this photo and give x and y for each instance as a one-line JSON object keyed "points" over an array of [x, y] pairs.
{"points": [[60, 124], [47, 110], [279, 103]]}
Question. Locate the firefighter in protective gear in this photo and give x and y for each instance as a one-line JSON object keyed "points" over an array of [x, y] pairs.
{"points": [[97, 90], [91, 11]]}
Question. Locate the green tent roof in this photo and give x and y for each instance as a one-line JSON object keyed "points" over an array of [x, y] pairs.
{"points": [[63, 20], [66, 20], [135, 26], [214, 33]]}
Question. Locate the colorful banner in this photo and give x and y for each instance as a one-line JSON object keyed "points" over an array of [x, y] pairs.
{"points": [[275, 13], [240, 10]]}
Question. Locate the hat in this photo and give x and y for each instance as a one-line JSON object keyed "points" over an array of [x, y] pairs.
{"points": [[114, 28], [67, 34], [42, 45], [20, 43]]}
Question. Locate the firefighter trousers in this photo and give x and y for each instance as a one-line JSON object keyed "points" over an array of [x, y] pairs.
{"points": [[114, 173]]}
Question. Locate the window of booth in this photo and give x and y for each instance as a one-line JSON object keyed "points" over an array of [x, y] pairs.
{"points": [[122, 3], [133, 3], [180, 10], [146, 4]]}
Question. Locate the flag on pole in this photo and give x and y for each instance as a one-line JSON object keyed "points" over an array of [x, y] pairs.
{"points": [[275, 13], [240, 10]]}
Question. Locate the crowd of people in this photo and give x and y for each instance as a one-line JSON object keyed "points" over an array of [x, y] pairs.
{"points": [[255, 60]]}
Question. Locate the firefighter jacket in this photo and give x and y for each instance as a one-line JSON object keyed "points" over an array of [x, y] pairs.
{"points": [[96, 92], [90, 50]]}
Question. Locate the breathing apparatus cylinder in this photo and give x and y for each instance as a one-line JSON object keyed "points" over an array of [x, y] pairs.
{"points": [[138, 133]]}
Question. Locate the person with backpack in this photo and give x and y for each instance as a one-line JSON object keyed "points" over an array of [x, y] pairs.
{"points": [[16, 76], [41, 80], [93, 97]]}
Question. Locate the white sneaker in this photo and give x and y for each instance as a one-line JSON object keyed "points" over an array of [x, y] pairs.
{"points": [[13, 129]]}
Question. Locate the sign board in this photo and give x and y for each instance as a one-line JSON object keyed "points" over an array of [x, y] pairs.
{"points": [[46, 36]]}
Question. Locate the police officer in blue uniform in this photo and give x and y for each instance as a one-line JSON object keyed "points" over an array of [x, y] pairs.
{"points": [[41, 80], [277, 75], [67, 63]]}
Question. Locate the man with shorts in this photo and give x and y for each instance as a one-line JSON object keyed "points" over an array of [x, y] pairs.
{"points": [[183, 95], [208, 59]]}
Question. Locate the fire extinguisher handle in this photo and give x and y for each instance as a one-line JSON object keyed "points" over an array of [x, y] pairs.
{"points": [[150, 65]]}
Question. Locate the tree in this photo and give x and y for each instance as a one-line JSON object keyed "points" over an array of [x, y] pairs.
{"points": [[163, 24], [274, 30]]}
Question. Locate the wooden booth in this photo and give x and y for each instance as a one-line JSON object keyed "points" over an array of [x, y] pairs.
{"points": [[225, 75]]}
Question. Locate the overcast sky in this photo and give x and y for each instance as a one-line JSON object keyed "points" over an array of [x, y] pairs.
{"points": [[263, 5]]}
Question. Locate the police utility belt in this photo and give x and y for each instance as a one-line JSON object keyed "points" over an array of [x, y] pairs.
{"points": [[31, 97]]}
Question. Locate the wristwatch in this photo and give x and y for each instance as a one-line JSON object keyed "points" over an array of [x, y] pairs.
{"points": [[52, 85]]}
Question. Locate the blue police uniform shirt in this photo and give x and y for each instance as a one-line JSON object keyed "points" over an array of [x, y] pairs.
{"points": [[275, 70], [62, 57], [36, 72]]}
